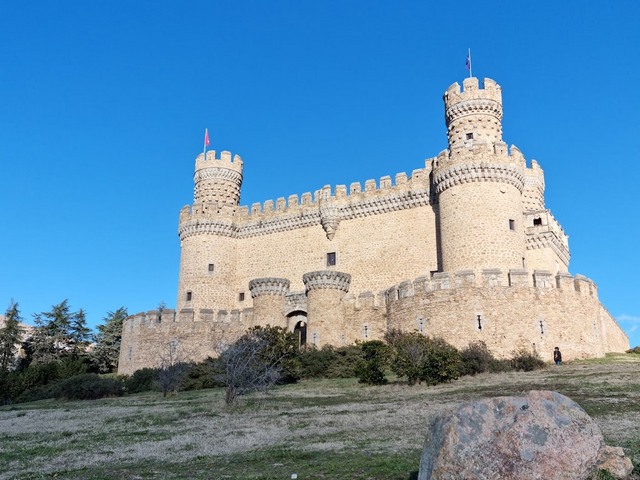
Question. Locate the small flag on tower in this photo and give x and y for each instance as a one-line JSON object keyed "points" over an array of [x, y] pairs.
{"points": [[206, 142], [468, 62]]}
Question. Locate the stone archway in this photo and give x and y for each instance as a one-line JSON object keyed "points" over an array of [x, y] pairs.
{"points": [[297, 322]]}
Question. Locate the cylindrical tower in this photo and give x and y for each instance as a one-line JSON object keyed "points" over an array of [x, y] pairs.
{"points": [[478, 184], [208, 245], [325, 291], [269, 300]]}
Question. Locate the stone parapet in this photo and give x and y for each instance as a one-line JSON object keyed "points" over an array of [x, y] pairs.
{"points": [[268, 286], [460, 173], [327, 279]]}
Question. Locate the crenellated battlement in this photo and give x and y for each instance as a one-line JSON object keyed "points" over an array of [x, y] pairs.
{"points": [[418, 180], [154, 319], [326, 206], [492, 278], [471, 90], [225, 160]]}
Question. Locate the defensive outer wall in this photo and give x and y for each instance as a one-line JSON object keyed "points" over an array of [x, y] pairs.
{"points": [[463, 249]]}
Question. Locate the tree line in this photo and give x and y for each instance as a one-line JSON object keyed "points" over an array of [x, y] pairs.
{"points": [[58, 346]]}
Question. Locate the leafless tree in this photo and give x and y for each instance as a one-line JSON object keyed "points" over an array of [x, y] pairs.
{"points": [[251, 364], [173, 367]]}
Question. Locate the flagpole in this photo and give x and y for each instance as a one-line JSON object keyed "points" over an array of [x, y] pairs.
{"points": [[470, 72], [206, 137]]}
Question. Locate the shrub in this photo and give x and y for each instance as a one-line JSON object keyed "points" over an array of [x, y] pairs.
{"points": [[370, 369], [201, 375], [88, 386], [499, 365], [329, 362], [10, 387], [314, 362], [141, 381], [526, 361], [423, 359], [409, 354], [443, 363], [344, 362], [476, 358], [169, 378], [634, 350]]}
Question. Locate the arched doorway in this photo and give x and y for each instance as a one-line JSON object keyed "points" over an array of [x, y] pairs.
{"points": [[298, 320]]}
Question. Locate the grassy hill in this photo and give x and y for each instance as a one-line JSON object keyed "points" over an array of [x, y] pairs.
{"points": [[320, 429]]}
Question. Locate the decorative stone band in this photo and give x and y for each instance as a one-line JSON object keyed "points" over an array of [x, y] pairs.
{"points": [[295, 302], [214, 227], [292, 220], [476, 106], [327, 279], [548, 240], [478, 172], [218, 172], [268, 286]]}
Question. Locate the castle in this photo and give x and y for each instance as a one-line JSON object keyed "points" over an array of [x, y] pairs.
{"points": [[463, 249]]}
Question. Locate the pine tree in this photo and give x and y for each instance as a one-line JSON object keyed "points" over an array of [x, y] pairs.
{"points": [[107, 349], [59, 333], [10, 337]]}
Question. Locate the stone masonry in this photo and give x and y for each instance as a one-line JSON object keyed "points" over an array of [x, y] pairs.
{"points": [[463, 248]]}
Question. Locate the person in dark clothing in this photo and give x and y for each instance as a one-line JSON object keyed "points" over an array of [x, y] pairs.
{"points": [[557, 356]]}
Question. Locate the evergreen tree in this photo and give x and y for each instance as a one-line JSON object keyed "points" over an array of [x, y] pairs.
{"points": [[59, 333], [10, 337], [107, 349]]}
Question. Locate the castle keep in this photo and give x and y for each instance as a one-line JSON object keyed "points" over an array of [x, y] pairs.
{"points": [[463, 248]]}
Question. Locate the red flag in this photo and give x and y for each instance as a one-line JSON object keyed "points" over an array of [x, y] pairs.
{"points": [[206, 137]]}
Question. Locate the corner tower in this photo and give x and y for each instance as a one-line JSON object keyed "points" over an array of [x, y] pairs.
{"points": [[478, 184], [206, 229]]}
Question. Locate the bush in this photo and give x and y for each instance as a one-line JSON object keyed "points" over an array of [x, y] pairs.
{"points": [[315, 362], [201, 375], [526, 361], [499, 365], [10, 387], [370, 369], [329, 362], [443, 363], [142, 380], [344, 362], [423, 359], [634, 350], [409, 354], [476, 358], [88, 386]]}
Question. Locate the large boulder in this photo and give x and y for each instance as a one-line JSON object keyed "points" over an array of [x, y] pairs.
{"points": [[544, 435]]}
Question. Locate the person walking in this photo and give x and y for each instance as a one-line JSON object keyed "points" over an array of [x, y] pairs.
{"points": [[557, 356]]}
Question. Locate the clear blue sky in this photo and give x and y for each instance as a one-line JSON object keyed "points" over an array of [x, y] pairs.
{"points": [[103, 106]]}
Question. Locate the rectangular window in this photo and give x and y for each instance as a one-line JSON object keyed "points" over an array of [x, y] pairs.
{"points": [[241, 296], [189, 295], [211, 267], [331, 259], [469, 136], [512, 224]]}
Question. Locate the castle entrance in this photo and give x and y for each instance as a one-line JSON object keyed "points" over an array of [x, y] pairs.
{"points": [[299, 321]]}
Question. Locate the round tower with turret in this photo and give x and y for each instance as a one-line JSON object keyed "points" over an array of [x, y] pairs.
{"points": [[206, 230], [478, 185]]}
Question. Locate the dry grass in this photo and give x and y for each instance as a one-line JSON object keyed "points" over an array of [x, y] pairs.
{"points": [[320, 421]]}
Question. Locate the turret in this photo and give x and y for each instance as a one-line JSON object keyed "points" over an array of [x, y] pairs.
{"points": [[479, 185], [473, 114], [206, 230], [217, 181]]}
